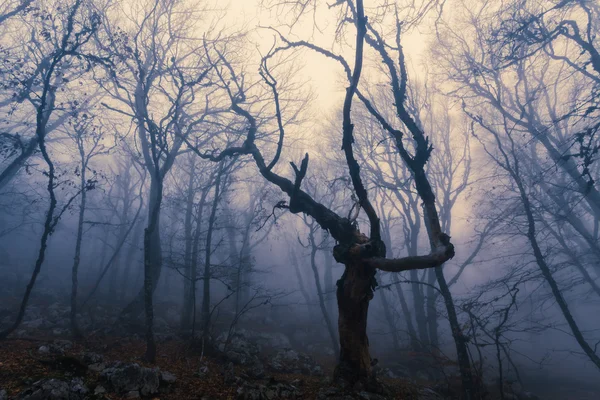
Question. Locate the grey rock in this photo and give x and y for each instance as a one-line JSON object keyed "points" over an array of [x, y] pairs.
{"points": [[269, 391], [99, 390], [3, 395], [89, 358], [98, 367], [239, 350], [57, 347], [167, 377], [55, 389], [134, 394], [132, 377], [291, 361]]}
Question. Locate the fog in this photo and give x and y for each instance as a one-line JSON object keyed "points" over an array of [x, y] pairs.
{"points": [[299, 199]]}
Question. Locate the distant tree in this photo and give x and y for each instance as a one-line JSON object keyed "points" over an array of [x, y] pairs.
{"points": [[88, 138]]}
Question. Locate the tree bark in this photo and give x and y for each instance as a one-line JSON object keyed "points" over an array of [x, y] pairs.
{"points": [[354, 292], [152, 261], [207, 259], [75, 331], [186, 315], [414, 340]]}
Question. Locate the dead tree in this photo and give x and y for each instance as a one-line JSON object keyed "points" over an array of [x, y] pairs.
{"points": [[361, 255]]}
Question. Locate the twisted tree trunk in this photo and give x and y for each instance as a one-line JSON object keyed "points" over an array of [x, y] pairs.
{"points": [[354, 292]]}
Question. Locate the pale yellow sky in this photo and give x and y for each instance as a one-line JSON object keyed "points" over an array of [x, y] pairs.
{"points": [[321, 73]]}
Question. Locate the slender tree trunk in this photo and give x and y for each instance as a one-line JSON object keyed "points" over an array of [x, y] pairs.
{"points": [[328, 281], [419, 306], [37, 268], [121, 237], [103, 254], [104, 268], [186, 315], [390, 319], [130, 260], [547, 274], [300, 279], [234, 256], [417, 289], [207, 259], [435, 234], [152, 249], [414, 340], [574, 259], [432, 317], [42, 115], [75, 331], [152, 261], [191, 302]]}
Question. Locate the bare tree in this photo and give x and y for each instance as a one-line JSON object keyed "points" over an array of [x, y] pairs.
{"points": [[76, 32], [361, 255], [88, 138]]}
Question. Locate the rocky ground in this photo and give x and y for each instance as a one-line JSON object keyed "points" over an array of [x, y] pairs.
{"points": [[39, 362], [111, 368]]}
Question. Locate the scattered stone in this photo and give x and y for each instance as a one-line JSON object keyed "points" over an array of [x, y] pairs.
{"points": [[268, 391], [94, 361], [3, 395], [132, 377], [167, 377], [99, 390], [58, 347], [98, 367], [55, 389], [291, 361], [89, 357], [239, 350]]}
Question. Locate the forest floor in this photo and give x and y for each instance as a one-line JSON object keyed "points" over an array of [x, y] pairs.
{"points": [[262, 360], [21, 364]]}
